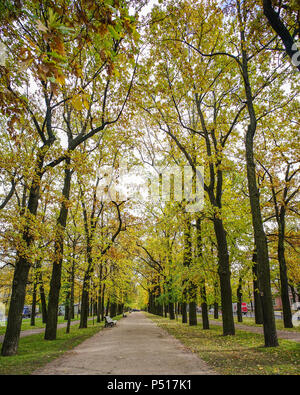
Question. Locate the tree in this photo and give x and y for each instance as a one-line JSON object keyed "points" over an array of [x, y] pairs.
{"points": [[286, 26], [53, 54]]}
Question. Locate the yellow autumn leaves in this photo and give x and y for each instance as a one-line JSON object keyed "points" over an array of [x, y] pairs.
{"points": [[80, 101]]}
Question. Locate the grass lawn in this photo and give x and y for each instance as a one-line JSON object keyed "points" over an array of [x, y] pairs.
{"points": [[251, 322], [38, 324], [243, 353], [35, 352]]}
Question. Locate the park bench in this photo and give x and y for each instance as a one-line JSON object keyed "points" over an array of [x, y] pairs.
{"points": [[109, 321]]}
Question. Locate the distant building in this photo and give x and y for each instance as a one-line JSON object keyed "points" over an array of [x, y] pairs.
{"points": [[277, 303]]}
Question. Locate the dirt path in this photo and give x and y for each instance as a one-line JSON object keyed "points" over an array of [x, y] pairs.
{"points": [[136, 346], [294, 336]]}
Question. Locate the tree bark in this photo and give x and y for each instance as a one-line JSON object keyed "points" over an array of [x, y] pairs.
{"points": [[270, 334], [43, 300], [166, 310], [192, 313], [216, 310], [113, 309], [239, 296], [22, 266], [107, 307], [216, 305], [33, 304], [67, 305], [204, 309], [55, 283], [224, 274], [85, 301], [171, 311], [99, 304], [284, 285], [72, 280], [102, 302], [256, 293], [191, 287], [293, 293], [184, 312]]}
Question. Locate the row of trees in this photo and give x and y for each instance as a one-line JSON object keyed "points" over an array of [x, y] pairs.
{"points": [[213, 80], [67, 76]]}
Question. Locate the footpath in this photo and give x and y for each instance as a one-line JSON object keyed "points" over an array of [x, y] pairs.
{"points": [[135, 346], [29, 332]]}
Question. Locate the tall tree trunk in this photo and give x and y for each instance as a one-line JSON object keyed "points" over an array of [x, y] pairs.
{"points": [[33, 304], [113, 309], [192, 313], [107, 307], [99, 304], [171, 311], [160, 309], [85, 301], [34, 294], [69, 317], [184, 312], [204, 309], [224, 274], [256, 293], [191, 287], [239, 296], [214, 191], [90, 227], [55, 283], [102, 302], [166, 309], [270, 334], [72, 280], [216, 305], [150, 302], [72, 287], [22, 265], [43, 301], [216, 310], [293, 293], [91, 304], [284, 285], [67, 305]]}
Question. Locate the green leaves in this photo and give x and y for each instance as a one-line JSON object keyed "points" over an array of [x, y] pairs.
{"points": [[113, 32]]}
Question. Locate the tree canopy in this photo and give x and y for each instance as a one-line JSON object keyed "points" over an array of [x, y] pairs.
{"points": [[149, 158]]}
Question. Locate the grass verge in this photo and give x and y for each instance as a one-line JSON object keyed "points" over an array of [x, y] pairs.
{"points": [[242, 354], [38, 324], [35, 352], [249, 321]]}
